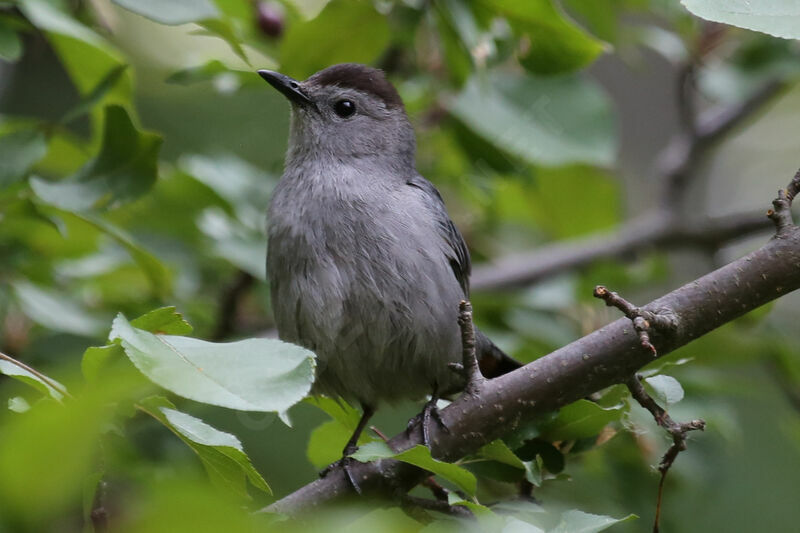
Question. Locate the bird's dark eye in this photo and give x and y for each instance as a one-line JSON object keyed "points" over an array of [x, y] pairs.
{"points": [[344, 108]]}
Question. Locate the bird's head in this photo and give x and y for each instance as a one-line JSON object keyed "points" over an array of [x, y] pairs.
{"points": [[345, 113]]}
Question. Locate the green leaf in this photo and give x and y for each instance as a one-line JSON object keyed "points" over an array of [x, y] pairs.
{"points": [[10, 44], [579, 420], [19, 151], [209, 71], [97, 94], [57, 444], [86, 56], [327, 441], [125, 168], [498, 451], [555, 521], [533, 471], [97, 358], [780, 18], [393, 520], [549, 121], [13, 369], [553, 44], [515, 525], [338, 410], [485, 516], [54, 311], [496, 471], [233, 179], [575, 521], [459, 37], [226, 31], [172, 12], [311, 46], [249, 375], [598, 18], [756, 61], [420, 456], [18, 404], [165, 320], [652, 370], [221, 453], [234, 242], [594, 189], [156, 272], [666, 388]]}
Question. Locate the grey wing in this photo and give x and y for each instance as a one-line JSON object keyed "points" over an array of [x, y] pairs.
{"points": [[455, 247]]}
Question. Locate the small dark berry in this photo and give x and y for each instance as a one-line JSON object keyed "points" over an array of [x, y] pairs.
{"points": [[270, 18]]}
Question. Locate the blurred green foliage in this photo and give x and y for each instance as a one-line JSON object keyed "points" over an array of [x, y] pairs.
{"points": [[138, 149]]}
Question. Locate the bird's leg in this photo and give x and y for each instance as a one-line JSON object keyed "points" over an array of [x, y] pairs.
{"points": [[349, 448], [429, 411], [352, 444]]}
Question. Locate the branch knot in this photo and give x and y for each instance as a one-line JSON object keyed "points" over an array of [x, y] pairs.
{"points": [[781, 213], [644, 320]]}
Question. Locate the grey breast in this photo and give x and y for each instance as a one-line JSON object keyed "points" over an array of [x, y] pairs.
{"points": [[358, 276]]}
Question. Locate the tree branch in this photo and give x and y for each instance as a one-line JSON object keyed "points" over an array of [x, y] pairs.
{"points": [[655, 231], [679, 160], [606, 357]]}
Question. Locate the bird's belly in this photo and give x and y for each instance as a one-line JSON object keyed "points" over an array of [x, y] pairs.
{"points": [[383, 329]]}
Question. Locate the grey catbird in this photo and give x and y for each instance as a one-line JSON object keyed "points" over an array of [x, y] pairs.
{"points": [[366, 268]]}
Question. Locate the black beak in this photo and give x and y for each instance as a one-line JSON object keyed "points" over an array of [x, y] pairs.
{"points": [[287, 86]]}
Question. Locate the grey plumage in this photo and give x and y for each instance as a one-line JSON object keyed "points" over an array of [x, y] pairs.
{"points": [[365, 266]]}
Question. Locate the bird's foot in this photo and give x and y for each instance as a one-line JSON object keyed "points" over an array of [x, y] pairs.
{"points": [[345, 465], [346, 462], [429, 412]]}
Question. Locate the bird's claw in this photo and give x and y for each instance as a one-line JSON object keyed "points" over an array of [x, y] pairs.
{"points": [[345, 464], [429, 412]]}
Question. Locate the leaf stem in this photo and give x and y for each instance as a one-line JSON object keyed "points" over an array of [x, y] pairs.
{"points": [[46, 380]]}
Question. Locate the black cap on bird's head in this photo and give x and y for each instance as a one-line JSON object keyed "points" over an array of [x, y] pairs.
{"points": [[361, 78], [355, 76]]}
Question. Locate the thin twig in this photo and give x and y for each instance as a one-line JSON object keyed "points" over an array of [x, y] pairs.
{"points": [[659, 230], [469, 362], [679, 160], [642, 319], [717, 123], [379, 433], [49, 382], [781, 213], [677, 430]]}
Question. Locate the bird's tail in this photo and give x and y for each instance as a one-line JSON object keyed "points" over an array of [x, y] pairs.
{"points": [[493, 361]]}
